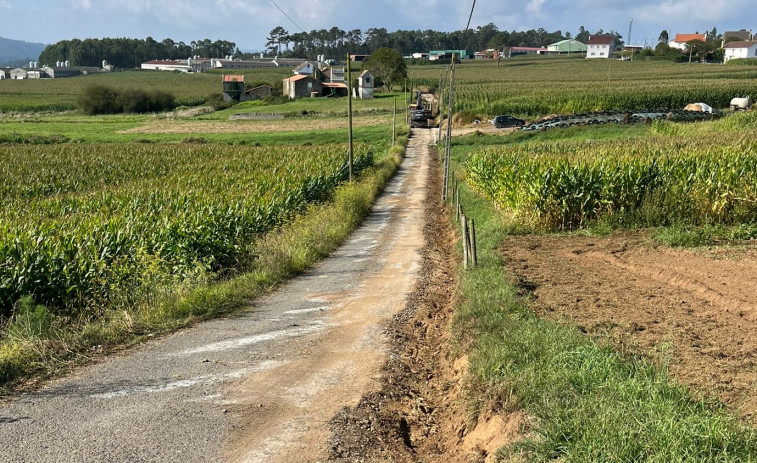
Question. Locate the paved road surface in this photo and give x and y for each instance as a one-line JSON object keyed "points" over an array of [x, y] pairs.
{"points": [[257, 387]]}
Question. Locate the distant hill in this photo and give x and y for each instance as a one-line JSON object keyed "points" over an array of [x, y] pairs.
{"points": [[18, 52]]}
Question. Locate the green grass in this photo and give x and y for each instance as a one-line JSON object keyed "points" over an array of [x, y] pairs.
{"points": [[588, 402]]}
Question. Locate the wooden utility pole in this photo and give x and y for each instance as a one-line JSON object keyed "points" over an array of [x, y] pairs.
{"points": [[449, 129], [394, 121], [349, 112]]}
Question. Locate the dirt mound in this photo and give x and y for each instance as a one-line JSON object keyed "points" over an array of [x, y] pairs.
{"points": [[697, 308]]}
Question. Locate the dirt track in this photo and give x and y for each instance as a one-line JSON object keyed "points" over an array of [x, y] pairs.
{"points": [[259, 386], [698, 307]]}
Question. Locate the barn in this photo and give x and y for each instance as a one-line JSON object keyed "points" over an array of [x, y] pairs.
{"points": [[302, 87]]}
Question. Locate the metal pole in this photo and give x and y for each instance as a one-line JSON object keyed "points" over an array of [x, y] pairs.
{"points": [[349, 112]]}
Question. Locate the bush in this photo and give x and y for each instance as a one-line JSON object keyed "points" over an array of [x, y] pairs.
{"points": [[98, 99]]}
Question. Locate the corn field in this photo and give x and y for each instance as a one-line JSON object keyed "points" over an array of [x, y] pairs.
{"points": [[531, 87], [81, 222], [645, 182]]}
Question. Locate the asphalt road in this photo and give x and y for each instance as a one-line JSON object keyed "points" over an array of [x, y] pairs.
{"points": [[256, 387]]}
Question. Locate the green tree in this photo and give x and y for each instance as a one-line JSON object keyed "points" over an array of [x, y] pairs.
{"points": [[664, 37], [387, 66], [278, 36]]}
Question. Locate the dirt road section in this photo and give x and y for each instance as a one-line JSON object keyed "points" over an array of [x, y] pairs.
{"points": [[699, 307], [284, 411], [260, 386]]}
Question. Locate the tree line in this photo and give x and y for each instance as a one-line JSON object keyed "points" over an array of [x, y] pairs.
{"points": [[130, 53], [336, 42]]}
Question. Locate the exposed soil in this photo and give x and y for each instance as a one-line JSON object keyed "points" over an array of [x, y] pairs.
{"points": [[287, 125], [699, 307], [419, 413]]}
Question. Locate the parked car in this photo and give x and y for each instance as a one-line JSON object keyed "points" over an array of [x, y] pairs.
{"points": [[507, 121]]}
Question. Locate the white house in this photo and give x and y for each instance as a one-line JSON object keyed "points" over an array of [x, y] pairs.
{"points": [[600, 46], [365, 83], [744, 49], [681, 40], [304, 69], [2, 74]]}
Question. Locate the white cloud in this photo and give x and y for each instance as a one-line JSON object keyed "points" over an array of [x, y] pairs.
{"points": [[535, 6]]}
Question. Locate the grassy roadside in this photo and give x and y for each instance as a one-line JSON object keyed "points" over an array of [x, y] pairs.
{"points": [[37, 346], [587, 402]]}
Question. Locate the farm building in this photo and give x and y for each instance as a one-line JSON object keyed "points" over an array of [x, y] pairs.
{"points": [[358, 58], [334, 74], [59, 72], [567, 46], [255, 63], [335, 89], [3, 73], [365, 83], [681, 40], [600, 46], [522, 51], [181, 65], [18, 73], [435, 55], [741, 36], [302, 87], [233, 87], [744, 49], [258, 93]]}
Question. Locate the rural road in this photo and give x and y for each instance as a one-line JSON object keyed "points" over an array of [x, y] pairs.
{"points": [[260, 386]]}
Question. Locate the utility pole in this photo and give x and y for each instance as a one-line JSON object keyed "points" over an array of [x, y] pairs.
{"points": [[349, 111], [394, 121], [449, 129], [630, 25]]}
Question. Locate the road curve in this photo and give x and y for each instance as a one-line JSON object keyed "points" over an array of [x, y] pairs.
{"points": [[257, 387]]}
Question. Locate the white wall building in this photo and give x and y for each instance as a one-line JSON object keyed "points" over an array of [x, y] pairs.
{"points": [[600, 46], [734, 50]]}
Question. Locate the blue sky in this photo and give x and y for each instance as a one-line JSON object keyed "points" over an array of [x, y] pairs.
{"points": [[248, 22]]}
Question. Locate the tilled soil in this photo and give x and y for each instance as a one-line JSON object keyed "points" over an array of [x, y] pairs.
{"points": [[697, 308], [419, 413]]}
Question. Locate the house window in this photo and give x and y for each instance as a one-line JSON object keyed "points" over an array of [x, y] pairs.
{"points": [[592, 53]]}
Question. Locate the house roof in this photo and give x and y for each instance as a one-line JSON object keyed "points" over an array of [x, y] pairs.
{"points": [[529, 49], [601, 39], [740, 44], [741, 35], [297, 78], [571, 41], [302, 66], [233, 78], [167, 62], [683, 38]]}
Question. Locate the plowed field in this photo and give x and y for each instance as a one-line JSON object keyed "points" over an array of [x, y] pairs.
{"points": [[697, 308]]}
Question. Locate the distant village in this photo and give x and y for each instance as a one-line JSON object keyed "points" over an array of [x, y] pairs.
{"points": [[325, 77]]}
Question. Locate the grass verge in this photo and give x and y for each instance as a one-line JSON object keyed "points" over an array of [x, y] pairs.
{"points": [[587, 402], [35, 345]]}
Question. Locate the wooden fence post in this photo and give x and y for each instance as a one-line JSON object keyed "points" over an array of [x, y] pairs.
{"points": [[464, 225], [474, 251]]}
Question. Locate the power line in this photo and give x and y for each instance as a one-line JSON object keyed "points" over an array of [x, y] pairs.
{"points": [[292, 20], [467, 27]]}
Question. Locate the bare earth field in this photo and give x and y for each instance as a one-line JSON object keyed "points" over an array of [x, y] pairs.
{"points": [[699, 307], [285, 125]]}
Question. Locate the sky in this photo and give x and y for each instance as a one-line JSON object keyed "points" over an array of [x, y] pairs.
{"points": [[248, 22]]}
